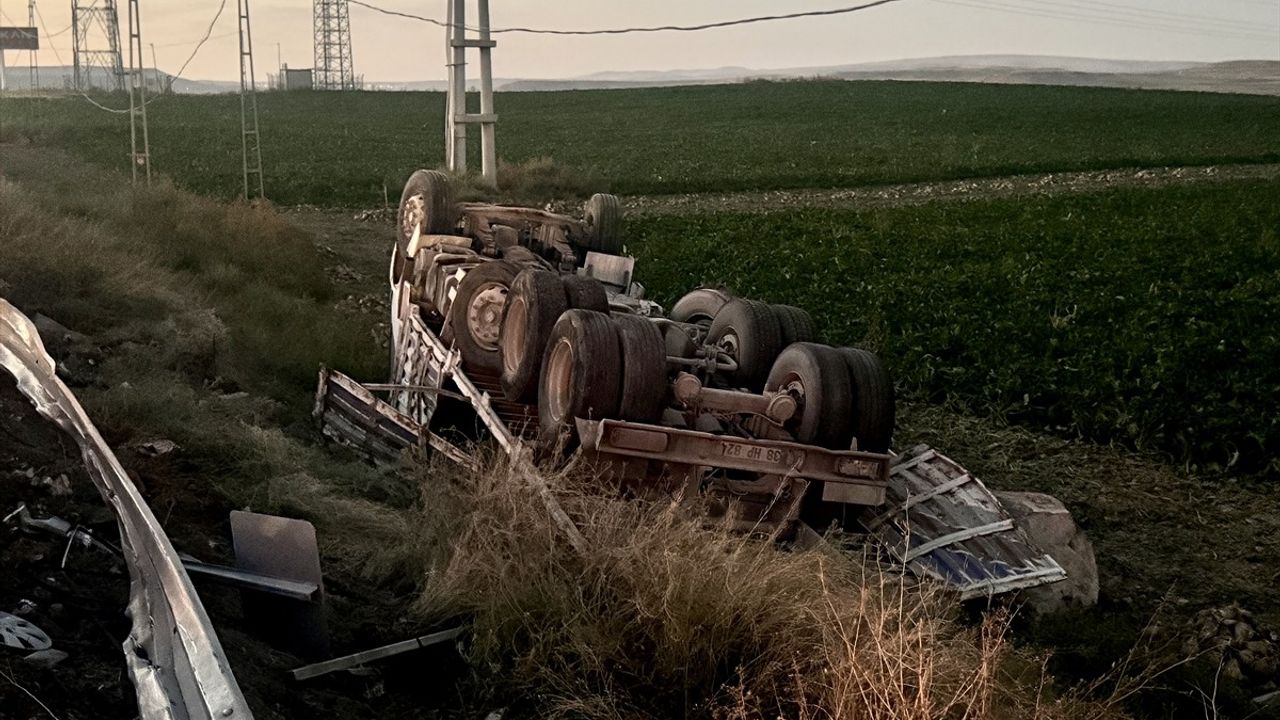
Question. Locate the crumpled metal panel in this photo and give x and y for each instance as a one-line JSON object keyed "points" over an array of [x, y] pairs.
{"points": [[942, 522], [173, 655]]}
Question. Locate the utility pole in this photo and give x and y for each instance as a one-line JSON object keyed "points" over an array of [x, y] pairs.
{"points": [[456, 116], [34, 79], [96, 23], [250, 145], [141, 157]]}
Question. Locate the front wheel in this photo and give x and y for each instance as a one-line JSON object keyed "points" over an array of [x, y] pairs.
{"points": [[475, 316], [426, 205], [602, 218]]}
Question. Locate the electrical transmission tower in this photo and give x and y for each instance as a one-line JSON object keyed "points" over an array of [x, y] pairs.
{"points": [[251, 147], [95, 37], [332, 46], [140, 151], [456, 116]]}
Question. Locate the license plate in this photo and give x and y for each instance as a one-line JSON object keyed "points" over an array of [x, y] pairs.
{"points": [[771, 456]]}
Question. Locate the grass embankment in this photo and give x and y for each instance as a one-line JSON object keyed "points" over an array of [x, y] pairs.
{"points": [[346, 149], [206, 322], [663, 617], [1144, 316]]}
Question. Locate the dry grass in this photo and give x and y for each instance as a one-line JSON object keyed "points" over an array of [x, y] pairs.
{"points": [[665, 617], [535, 181]]}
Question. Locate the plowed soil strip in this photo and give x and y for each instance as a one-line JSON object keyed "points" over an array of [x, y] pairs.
{"points": [[916, 193]]}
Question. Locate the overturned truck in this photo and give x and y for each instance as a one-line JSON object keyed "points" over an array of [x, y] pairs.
{"points": [[529, 328]]}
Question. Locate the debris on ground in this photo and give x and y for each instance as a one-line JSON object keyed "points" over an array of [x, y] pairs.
{"points": [[1245, 651]]}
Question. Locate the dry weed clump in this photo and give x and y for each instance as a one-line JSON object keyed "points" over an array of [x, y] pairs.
{"points": [[665, 617]]}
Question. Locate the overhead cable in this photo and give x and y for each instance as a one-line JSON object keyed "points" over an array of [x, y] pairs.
{"points": [[651, 29]]}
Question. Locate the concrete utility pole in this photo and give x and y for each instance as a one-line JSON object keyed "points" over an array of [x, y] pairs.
{"points": [[140, 152], [456, 116]]}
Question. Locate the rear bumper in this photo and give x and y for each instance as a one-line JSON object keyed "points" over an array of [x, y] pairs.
{"points": [[849, 477]]}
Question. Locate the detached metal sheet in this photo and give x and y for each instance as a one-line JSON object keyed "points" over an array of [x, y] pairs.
{"points": [[172, 653], [942, 522]]}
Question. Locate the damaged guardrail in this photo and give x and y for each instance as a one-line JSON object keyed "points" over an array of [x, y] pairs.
{"points": [[175, 661]]}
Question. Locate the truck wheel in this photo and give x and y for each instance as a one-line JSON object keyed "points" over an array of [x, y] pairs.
{"points": [[476, 313], [873, 408], [426, 203], [796, 324], [644, 369], [535, 303], [602, 216], [817, 377], [700, 306], [748, 332], [584, 293], [580, 372]]}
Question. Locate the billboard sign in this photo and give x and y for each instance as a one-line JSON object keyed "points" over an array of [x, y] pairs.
{"points": [[19, 38]]}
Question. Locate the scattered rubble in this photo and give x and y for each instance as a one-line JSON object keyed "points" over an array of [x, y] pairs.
{"points": [[1233, 638]]}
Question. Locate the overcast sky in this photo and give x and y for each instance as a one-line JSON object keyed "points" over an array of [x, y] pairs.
{"points": [[395, 49]]}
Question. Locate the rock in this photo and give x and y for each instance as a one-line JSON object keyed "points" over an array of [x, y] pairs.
{"points": [[1049, 526], [155, 448], [45, 658]]}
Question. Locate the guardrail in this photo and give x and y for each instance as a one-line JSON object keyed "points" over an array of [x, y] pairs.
{"points": [[173, 655]]}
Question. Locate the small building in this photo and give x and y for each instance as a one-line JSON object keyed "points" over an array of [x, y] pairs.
{"points": [[297, 78]]}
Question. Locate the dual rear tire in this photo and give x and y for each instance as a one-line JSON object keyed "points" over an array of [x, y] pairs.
{"points": [[598, 366]]}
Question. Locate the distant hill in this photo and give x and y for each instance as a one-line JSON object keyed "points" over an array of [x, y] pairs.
{"points": [[1258, 77]]}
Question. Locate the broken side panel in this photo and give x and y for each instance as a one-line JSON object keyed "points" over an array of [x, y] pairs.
{"points": [[942, 522]]}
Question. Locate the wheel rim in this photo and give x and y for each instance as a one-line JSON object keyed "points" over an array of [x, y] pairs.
{"points": [[513, 335], [484, 315], [415, 211], [560, 380]]}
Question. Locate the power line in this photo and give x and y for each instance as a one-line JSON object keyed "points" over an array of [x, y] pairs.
{"points": [[203, 40], [657, 28], [1159, 15], [1059, 14]]}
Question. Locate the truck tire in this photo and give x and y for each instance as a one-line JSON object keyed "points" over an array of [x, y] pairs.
{"points": [[796, 324], [873, 408], [748, 332], [476, 313], [644, 369], [535, 303], [580, 373], [584, 293], [427, 202], [602, 218], [818, 378], [700, 306]]}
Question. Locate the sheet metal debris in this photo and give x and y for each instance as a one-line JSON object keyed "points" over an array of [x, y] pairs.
{"points": [[943, 523], [355, 660], [174, 659]]}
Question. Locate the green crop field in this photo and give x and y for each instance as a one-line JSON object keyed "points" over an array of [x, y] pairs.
{"points": [[344, 149], [1146, 316]]}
